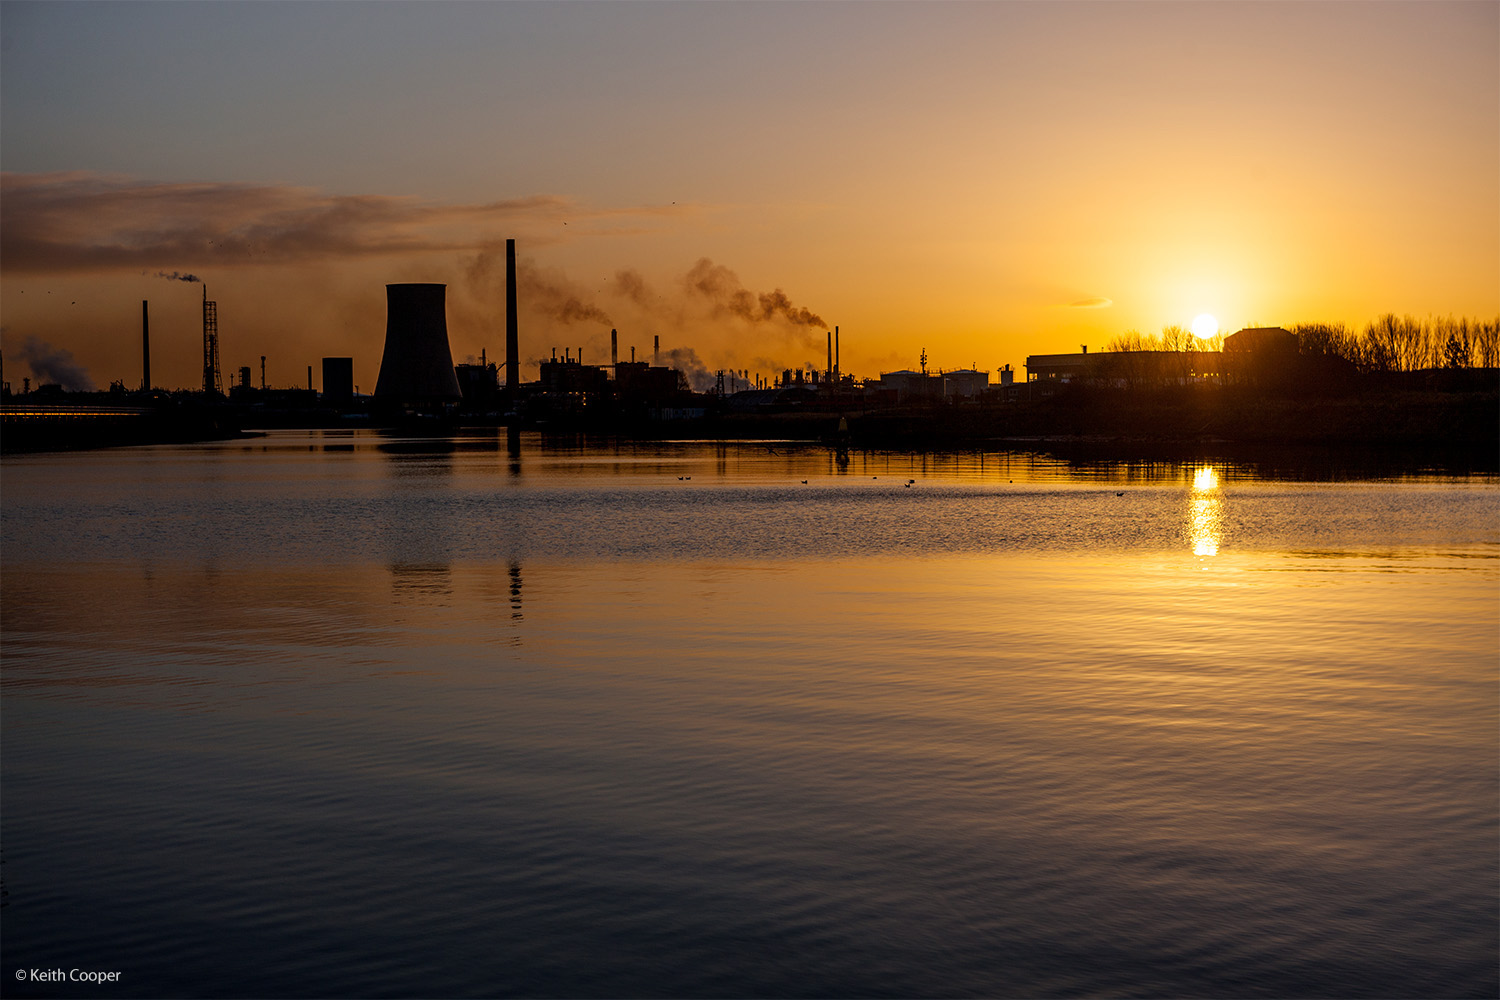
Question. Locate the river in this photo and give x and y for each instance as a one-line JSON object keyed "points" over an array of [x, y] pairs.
{"points": [[340, 713]]}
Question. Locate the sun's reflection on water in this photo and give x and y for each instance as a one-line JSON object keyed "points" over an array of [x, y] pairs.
{"points": [[1205, 512]]}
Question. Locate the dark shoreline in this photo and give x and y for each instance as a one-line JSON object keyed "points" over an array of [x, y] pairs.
{"points": [[1392, 426]]}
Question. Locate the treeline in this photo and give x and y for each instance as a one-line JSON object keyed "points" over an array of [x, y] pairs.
{"points": [[1405, 344], [1172, 338], [1390, 343]]}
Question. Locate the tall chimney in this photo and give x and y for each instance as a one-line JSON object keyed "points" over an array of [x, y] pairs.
{"points": [[656, 350], [614, 348], [145, 349], [829, 335], [512, 329], [309, 376], [835, 352]]}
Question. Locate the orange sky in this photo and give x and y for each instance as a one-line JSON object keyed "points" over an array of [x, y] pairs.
{"points": [[984, 181]]}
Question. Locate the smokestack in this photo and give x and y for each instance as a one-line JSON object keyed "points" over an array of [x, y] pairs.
{"points": [[512, 328], [656, 350], [145, 349], [309, 376], [614, 348], [262, 371], [417, 366], [835, 352], [830, 353]]}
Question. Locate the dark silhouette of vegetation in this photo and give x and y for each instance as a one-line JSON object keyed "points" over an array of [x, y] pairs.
{"points": [[1172, 338], [1389, 343]]}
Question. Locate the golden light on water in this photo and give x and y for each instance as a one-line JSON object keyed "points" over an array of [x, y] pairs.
{"points": [[1205, 512]]}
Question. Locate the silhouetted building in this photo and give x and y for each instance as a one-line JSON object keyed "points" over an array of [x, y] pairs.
{"points": [[1061, 367], [966, 383], [338, 380], [480, 385], [1269, 358], [1124, 369], [638, 380], [911, 386], [1261, 340], [569, 376]]}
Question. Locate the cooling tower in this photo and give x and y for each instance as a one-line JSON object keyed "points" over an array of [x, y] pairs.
{"points": [[417, 366]]}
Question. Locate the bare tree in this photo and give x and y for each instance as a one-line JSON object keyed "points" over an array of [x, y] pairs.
{"points": [[1131, 340], [1329, 340], [1175, 338], [1454, 336], [1385, 344], [1484, 343]]}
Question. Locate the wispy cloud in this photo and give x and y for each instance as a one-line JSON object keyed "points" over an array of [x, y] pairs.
{"points": [[84, 221], [1095, 302]]}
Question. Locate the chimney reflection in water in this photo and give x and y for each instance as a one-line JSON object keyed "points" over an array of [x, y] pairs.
{"points": [[1206, 512]]}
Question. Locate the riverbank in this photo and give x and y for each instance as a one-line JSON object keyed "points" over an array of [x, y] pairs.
{"points": [[1454, 422], [81, 428]]}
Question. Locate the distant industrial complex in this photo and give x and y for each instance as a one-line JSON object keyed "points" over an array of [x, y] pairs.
{"points": [[419, 383]]}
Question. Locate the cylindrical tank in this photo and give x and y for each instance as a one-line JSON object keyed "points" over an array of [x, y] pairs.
{"points": [[417, 366]]}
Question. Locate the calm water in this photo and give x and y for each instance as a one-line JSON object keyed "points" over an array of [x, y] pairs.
{"points": [[337, 714]]}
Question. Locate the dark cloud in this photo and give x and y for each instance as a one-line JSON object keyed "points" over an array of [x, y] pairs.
{"points": [[53, 364], [82, 221]]}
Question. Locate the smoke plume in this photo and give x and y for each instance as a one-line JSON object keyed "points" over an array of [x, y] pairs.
{"points": [[178, 276], [686, 360], [630, 284], [54, 364], [548, 293], [552, 295], [729, 297]]}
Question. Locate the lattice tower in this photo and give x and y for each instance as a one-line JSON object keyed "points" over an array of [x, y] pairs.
{"points": [[213, 382]]}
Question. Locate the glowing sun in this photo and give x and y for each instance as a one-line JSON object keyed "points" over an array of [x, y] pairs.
{"points": [[1204, 326]]}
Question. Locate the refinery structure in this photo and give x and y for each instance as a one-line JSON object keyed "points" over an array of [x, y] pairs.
{"points": [[418, 379], [419, 382]]}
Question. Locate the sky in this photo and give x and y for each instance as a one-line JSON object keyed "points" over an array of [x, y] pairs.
{"points": [[979, 181]]}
